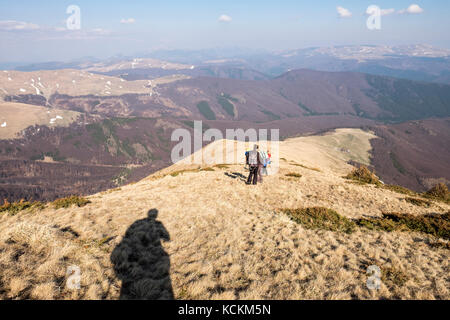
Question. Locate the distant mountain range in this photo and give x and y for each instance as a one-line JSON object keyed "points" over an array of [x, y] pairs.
{"points": [[299, 93], [101, 124], [415, 62]]}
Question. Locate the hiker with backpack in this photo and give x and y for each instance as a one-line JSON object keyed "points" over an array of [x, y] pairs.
{"points": [[254, 161], [246, 159], [267, 162], [261, 165]]}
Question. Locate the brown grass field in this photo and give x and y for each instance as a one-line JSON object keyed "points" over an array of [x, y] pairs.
{"points": [[74, 83], [143, 63], [204, 234], [18, 117]]}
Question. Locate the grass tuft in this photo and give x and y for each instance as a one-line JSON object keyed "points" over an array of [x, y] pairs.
{"points": [[111, 191], [70, 201], [177, 173], [364, 175], [393, 276], [440, 245], [305, 167], [419, 202], [437, 225], [15, 207], [438, 192], [380, 225], [293, 175], [399, 189], [320, 218], [222, 166], [359, 183]]}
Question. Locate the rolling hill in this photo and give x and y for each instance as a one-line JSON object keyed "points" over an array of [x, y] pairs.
{"points": [[142, 240], [43, 84], [50, 161], [301, 93], [413, 154], [294, 94], [118, 134], [16, 117], [415, 62], [367, 96]]}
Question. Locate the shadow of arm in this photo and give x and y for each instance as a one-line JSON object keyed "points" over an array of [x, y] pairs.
{"points": [[164, 234]]}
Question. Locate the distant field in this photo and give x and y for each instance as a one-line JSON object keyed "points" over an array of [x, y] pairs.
{"points": [[331, 151], [341, 145], [73, 83], [137, 64], [15, 117]]}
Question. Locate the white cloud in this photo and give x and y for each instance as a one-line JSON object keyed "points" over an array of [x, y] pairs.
{"points": [[28, 30], [225, 18], [128, 21], [384, 12], [412, 9], [11, 25], [343, 13]]}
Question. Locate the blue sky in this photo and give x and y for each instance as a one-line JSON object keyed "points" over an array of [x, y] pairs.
{"points": [[33, 30]]}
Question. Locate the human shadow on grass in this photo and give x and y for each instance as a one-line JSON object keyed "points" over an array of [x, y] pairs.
{"points": [[141, 263], [235, 175]]}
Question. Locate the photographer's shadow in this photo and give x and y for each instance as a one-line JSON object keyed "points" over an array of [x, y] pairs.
{"points": [[141, 263]]}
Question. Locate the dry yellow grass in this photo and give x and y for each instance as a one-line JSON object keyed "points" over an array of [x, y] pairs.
{"points": [[74, 83], [330, 151], [216, 238], [18, 116], [141, 63]]}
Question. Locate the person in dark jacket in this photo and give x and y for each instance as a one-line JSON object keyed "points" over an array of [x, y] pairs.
{"points": [[254, 161], [246, 159]]}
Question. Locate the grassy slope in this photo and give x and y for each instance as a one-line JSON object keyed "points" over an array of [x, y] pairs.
{"points": [[73, 83], [20, 116], [409, 100], [228, 240]]}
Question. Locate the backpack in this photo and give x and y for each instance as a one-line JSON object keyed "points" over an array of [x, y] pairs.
{"points": [[263, 157], [253, 158]]}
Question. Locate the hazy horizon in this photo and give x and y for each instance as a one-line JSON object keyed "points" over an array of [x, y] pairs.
{"points": [[33, 32]]}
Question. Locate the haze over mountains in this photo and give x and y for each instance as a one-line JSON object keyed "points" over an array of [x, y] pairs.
{"points": [[415, 62], [97, 124]]}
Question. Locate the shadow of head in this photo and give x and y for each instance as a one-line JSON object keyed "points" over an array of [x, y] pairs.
{"points": [[140, 261]]}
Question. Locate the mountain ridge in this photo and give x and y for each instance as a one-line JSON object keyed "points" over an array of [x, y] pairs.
{"points": [[248, 248]]}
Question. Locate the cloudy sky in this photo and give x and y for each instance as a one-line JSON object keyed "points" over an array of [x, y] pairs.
{"points": [[35, 31]]}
